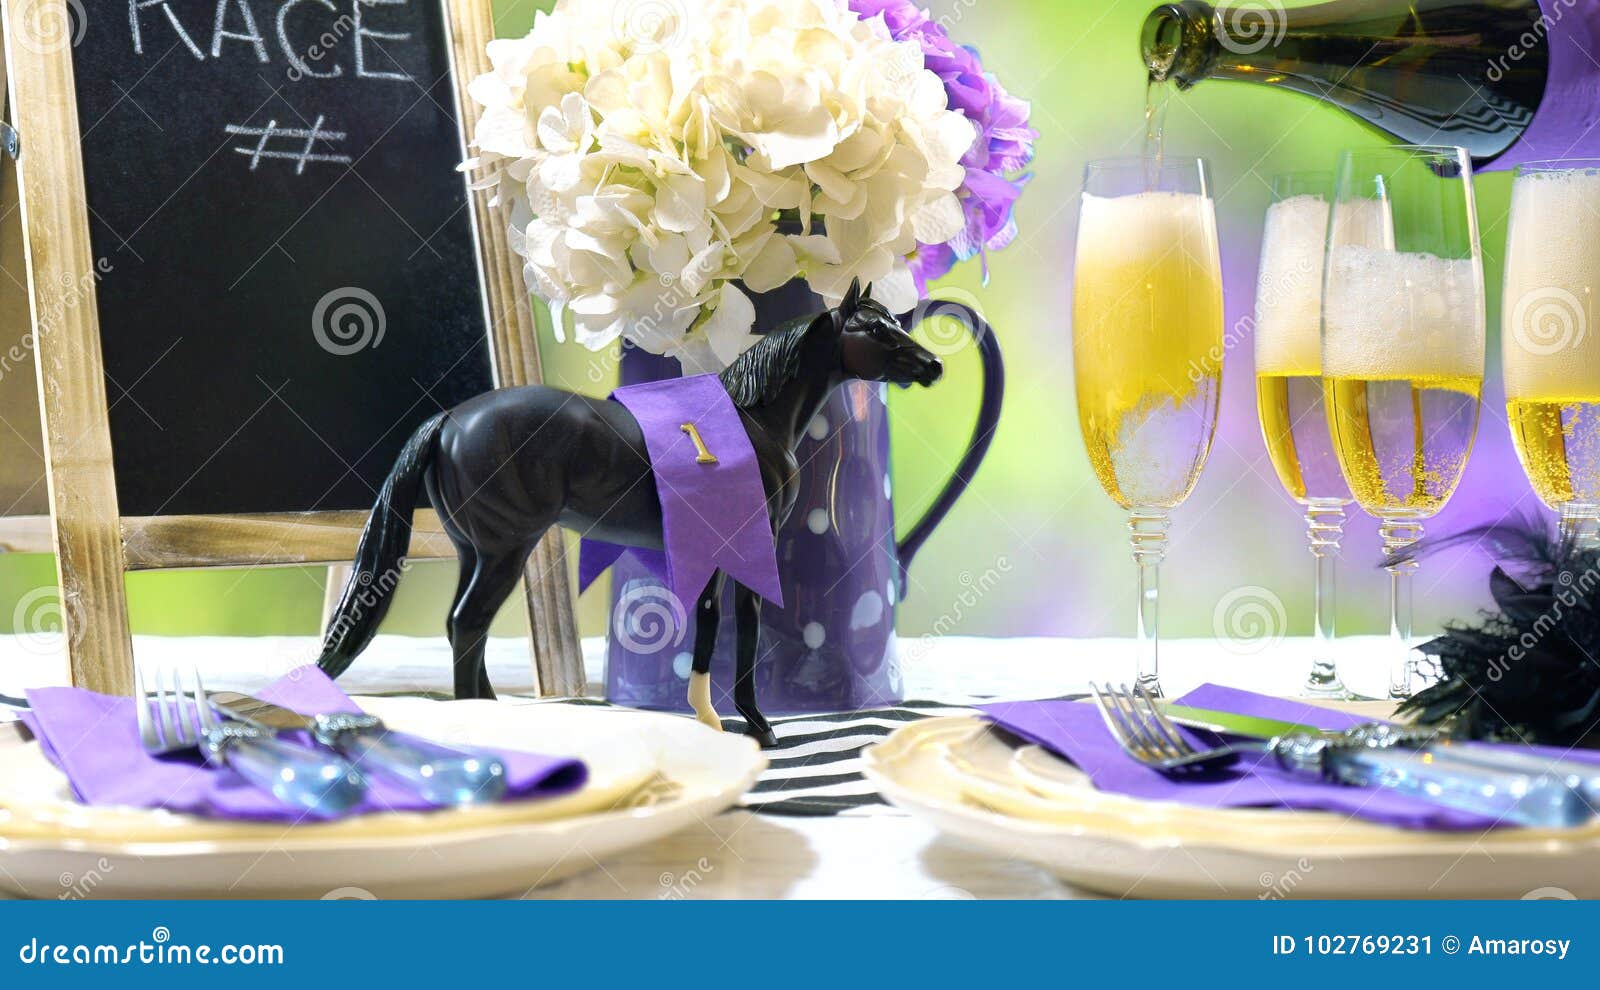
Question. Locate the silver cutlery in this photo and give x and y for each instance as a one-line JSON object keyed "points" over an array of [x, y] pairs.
{"points": [[441, 775], [1358, 757], [1504, 756], [175, 719]]}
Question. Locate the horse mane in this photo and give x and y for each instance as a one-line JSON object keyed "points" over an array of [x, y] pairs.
{"points": [[757, 375]]}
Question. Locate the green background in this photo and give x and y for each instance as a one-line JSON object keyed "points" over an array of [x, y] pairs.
{"points": [[1035, 514]]}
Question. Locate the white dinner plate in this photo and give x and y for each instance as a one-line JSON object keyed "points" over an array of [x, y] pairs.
{"points": [[650, 775], [1022, 802]]}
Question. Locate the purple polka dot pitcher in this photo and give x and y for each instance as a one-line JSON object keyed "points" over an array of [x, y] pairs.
{"points": [[831, 647]]}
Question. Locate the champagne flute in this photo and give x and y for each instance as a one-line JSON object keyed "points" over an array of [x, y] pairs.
{"points": [[1289, 397], [1147, 350], [1549, 341], [1403, 347]]}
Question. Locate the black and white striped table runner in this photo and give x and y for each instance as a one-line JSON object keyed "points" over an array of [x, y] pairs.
{"points": [[816, 767]]}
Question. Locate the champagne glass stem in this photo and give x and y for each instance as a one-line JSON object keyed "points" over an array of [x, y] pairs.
{"points": [[1324, 530], [1147, 529], [1580, 525], [1398, 535]]}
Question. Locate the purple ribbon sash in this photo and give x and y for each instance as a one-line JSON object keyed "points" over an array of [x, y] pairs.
{"points": [[713, 505]]}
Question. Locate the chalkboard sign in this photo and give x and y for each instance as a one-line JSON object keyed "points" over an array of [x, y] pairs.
{"points": [[252, 268], [290, 283]]}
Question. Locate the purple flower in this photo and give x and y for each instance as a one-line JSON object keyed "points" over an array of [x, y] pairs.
{"points": [[1004, 143]]}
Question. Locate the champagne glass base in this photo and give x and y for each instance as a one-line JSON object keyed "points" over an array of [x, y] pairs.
{"points": [[1338, 693], [1403, 676], [1324, 682], [1152, 685]]}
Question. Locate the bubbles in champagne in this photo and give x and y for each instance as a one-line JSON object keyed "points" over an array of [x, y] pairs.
{"points": [[1289, 287], [1147, 226], [1558, 442], [1147, 341], [1397, 314], [1548, 332], [1403, 441], [1548, 329]]}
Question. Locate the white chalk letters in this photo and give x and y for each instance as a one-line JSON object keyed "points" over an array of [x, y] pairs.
{"points": [[313, 37]]}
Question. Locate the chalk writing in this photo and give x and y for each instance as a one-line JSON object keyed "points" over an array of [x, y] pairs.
{"points": [[307, 153], [363, 33], [306, 32], [220, 32], [278, 149], [135, 6], [300, 65]]}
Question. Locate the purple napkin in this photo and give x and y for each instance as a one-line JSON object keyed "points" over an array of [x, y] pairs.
{"points": [[94, 739], [1075, 731]]}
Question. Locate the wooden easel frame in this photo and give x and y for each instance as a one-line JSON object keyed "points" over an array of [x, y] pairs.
{"points": [[94, 544]]}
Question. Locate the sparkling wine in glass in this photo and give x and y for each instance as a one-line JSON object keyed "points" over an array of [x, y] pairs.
{"points": [[1147, 350], [1403, 347], [1289, 394], [1549, 340]]}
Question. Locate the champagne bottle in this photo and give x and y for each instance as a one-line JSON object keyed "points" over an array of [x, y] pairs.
{"points": [[1509, 80]]}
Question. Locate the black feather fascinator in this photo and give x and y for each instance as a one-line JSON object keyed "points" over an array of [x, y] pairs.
{"points": [[1529, 671]]}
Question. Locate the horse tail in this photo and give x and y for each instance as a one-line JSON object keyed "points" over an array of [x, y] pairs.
{"points": [[384, 543]]}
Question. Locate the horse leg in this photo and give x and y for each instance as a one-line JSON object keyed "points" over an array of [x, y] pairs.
{"points": [[747, 612], [467, 554], [493, 577], [485, 689], [707, 616]]}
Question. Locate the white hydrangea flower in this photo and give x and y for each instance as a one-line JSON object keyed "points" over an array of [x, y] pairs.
{"points": [[650, 163]]}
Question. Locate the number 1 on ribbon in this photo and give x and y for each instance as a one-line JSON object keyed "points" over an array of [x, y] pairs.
{"points": [[702, 455]]}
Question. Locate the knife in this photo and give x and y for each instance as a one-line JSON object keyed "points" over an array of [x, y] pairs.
{"points": [[439, 774], [1413, 762], [1583, 777]]}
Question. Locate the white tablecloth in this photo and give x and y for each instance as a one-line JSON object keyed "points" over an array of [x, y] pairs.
{"points": [[951, 668], [740, 854]]}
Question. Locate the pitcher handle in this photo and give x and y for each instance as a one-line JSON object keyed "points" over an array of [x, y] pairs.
{"points": [[994, 386]]}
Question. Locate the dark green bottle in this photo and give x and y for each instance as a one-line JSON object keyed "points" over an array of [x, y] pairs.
{"points": [[1471, 73]]}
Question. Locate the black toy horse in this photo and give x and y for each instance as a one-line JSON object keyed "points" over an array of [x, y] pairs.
{"points": [[503, 467]]}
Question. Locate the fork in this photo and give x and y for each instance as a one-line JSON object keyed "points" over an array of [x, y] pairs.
{"points": [[1359, 757], [174, 720]]}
